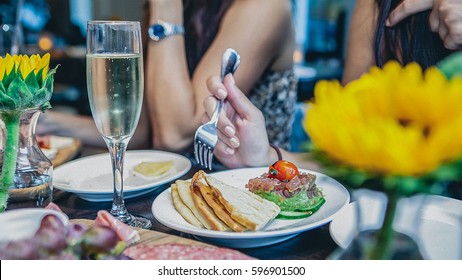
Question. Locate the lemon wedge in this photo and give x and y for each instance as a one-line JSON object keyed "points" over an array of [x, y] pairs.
{"points": [[152, 169]]}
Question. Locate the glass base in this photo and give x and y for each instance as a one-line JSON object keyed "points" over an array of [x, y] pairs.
{"points": [[403, 248], [140, 222], [129, 219]]}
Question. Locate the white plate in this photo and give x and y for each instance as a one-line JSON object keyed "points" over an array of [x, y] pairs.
{"points": [[23, 223], [91, 177], [438, 230], [276, 231]]}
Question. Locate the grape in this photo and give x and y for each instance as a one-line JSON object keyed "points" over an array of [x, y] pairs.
{"points": [[52, 221], [75, 233], [50, 240], [99, 239], [53, 240], [19, 250]]}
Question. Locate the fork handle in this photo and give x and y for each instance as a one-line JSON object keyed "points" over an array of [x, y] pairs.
{"points": [[229, 63], [216, 113]]}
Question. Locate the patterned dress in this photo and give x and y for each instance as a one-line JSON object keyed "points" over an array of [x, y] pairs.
{"points": [[275, 94]]}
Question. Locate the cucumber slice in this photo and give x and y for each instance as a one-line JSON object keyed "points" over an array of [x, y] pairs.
{"points": [[293, 215]]}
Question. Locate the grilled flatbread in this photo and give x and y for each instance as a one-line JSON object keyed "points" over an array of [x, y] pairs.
{"points": [[244, 207], [218, 208], [185, 194], [204, 209], [184, 210]]}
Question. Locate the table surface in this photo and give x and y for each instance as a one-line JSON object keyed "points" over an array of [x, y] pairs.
{"points": [[315, 244]]}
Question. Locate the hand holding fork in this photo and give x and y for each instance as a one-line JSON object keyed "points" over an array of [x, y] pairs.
{"points": [[206, 136]]}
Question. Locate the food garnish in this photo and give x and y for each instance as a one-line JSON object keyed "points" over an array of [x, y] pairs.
{"points": [[283, 170], [293, 191]]}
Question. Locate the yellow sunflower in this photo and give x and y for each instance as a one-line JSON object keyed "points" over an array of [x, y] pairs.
{"points": [[397, 121], [25, 83]]}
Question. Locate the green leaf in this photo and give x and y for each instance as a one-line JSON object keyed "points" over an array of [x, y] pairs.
{"points": [[6, 102], [2, 88], [31, 82], [7, 79], [19, 91], [38, 77], [48, 87], [452, 65], [40, 97], [447, 173], [45, 106]]}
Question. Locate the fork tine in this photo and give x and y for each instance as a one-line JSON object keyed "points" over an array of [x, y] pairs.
{"points": [[210, 157], [206, 154], [201, 151], [196, 152]]}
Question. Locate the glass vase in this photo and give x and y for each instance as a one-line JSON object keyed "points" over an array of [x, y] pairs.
{"points": [[32, 181], [382, 228]]}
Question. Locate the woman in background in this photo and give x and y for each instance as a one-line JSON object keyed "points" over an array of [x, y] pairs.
{"points": [[380, 31], [177, 67], [370, 43]]}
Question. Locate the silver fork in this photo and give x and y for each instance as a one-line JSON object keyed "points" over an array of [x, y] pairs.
{"points": [[206, 136]]}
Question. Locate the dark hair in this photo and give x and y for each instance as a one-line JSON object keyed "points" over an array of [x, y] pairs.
{"points": [[410, 40], [202, 21]]}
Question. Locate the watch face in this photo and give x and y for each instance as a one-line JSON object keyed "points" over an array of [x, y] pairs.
{"points": [[157, 32]]}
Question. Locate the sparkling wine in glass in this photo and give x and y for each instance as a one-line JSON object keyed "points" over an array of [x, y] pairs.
{"points": [[115, 92]]}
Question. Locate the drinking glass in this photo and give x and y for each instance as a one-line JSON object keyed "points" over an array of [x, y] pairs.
{"points": [[115, 92]]}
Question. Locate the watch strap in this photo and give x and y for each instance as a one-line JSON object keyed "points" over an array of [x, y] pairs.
{"points": [[162, 29]]}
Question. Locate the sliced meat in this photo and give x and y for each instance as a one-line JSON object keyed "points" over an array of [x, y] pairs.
{"points": [[52, 206], [124, 232], [303, 182], [176, 251]]}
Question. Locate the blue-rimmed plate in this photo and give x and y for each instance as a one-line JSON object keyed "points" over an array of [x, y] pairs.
{"points": [[91, 177]]}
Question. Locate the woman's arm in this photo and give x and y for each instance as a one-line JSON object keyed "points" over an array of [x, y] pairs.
{"points": [[84, 129], [360, 49], [255, 28]]}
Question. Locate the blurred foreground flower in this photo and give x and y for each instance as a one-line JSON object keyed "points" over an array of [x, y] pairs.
{"points": [[25, 83], [396, 129]]}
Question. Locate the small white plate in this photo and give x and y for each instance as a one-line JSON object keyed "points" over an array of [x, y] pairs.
{"points": [[91, 177], [276, 231], [23, 223], [438, 229]]}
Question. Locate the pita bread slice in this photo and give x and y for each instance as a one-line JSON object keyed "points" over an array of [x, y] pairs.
{"points": [[205, 210], [181, 207], [184, 193], [215, 204], [244, 207]]}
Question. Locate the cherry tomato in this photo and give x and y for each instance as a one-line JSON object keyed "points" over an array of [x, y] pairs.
{"points": [[283, 170]]}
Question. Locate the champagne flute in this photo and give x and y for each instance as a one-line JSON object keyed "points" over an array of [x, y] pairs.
{"points": [[115, 91]]}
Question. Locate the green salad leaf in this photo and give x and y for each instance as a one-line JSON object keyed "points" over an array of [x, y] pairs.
{"points": [[298, 202]]}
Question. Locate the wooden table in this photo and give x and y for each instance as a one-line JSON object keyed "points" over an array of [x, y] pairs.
{"points": [[314, 244]]}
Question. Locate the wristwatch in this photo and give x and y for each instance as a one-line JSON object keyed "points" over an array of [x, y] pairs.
{"points": [[162, 29]]}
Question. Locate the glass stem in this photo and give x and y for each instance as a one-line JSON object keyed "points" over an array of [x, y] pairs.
{"points": [[117, 151]]}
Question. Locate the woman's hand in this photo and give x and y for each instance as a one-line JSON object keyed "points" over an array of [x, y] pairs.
{"points": [[243, 140], [445, 18]]}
